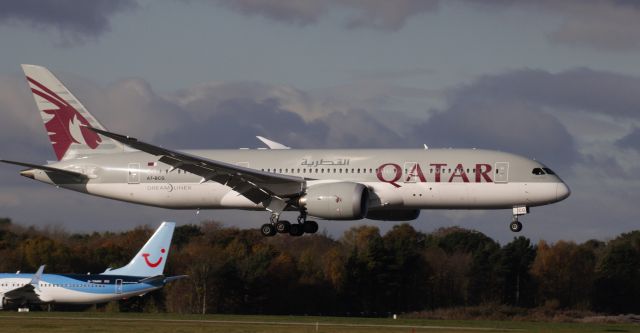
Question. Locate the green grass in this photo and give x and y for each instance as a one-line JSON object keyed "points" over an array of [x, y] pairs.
{"points": [[159, 323]]}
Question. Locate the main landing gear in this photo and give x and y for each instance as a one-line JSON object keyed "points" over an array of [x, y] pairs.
{"points": [[294, 229], [515, 225]]}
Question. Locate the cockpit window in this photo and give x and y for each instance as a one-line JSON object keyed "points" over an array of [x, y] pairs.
{"points": [[537, 171], [548, 171]]}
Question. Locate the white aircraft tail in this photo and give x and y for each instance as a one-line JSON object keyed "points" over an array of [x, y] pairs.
{"points": [[65, 118], [150, 260]]}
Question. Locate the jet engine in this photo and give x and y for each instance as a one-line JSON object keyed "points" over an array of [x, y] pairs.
{"points": [[3, 302], [336, 201], [394, 215]]}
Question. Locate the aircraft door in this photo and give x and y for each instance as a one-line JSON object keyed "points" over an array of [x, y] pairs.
{"points": [[133, 173], [118, 286], [502, 172], [410, 175]]}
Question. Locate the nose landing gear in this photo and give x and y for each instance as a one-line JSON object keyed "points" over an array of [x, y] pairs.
{"points": [[515, 225]]}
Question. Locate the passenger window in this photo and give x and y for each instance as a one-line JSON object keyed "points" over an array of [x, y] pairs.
{"points": [[537, 171]]}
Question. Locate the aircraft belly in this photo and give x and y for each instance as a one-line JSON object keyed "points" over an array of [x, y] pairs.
{"points": [[462, 195], [63, 295], [167, 195]]}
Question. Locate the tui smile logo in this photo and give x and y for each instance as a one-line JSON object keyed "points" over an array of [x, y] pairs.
{"points": [[153, 264]]}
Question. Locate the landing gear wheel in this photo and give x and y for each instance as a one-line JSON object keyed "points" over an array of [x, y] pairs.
{"points": [[296, 229], [283, 227], [515, 226], [268, 230], [310, 227]]}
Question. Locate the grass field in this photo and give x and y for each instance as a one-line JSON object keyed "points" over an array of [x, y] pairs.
{"points": [[158, 323]]}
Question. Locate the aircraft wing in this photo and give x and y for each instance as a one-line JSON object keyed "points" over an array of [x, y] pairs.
{"points": [[48, 169], [258, 186], [28, 291]]}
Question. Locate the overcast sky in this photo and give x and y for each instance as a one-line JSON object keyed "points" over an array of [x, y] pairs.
{"points": [[558, 81]]}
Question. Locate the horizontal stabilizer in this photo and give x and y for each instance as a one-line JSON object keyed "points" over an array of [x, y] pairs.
{"points": [[173, 278], [161, 279], [153, 279], [48, 169]]}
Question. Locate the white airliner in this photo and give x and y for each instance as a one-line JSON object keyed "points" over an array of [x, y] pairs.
{"points": [[143, 274], [331, 184]]}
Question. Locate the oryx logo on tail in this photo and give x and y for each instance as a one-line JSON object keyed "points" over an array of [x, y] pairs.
{"points": [[66, 125]]}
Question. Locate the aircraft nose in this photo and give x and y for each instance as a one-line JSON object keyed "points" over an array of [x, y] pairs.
{"points": [[29, 173], [562, 191]]}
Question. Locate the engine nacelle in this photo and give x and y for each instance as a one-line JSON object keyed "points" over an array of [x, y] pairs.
{"points": [[336, 201], [394, 215], [3, 302]]}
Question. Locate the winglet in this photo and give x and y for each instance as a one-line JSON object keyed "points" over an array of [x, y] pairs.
{"points": [[35, 280], [272, 144]]}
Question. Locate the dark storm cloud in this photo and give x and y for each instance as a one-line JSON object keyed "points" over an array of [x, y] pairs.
{"points": [[517, 111], [600, 24], [234, 123], [378, 14], [74, 20], [217, 116], [507, 126], [579, 89]]}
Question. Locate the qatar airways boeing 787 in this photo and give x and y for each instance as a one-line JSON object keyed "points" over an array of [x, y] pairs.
{"points": [[331, 184]]}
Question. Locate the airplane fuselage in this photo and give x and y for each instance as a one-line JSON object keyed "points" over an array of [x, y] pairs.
{"points": [[78, 288], [396, 178]]}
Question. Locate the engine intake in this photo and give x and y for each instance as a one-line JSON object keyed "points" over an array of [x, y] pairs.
{"points": [[336, 201]]}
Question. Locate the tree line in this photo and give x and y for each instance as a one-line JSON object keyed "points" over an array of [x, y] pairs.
{"points": [[363, 272]]}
